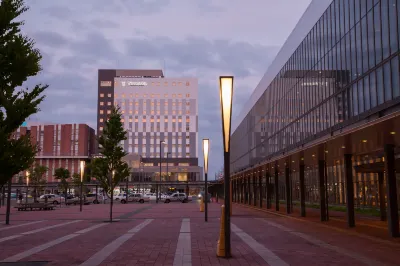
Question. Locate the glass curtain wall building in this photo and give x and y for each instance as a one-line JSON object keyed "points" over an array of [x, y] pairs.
{"points": [[341, 71]]}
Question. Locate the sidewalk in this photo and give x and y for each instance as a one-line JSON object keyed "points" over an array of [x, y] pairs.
{"points": [[152, 234]]}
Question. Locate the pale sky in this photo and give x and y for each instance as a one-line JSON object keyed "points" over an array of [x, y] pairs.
{"points": [[195, 38]]}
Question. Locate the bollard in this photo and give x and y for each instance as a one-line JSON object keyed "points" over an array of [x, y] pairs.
{"points": [[201, 206], [221, 240]]}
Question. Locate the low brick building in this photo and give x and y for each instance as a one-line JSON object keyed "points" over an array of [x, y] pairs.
{"points": [[60, 145]]}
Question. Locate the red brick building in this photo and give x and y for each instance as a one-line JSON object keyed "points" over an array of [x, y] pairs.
{"points": [[60, 145]]}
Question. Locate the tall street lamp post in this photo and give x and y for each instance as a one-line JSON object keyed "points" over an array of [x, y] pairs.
{"points": [[226, 95], [206, 148], [157, 187], [82, 172], [27, 186]]}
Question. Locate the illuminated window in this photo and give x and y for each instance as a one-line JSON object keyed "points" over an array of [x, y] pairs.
{"points": [[152, 103], [173, 83], [108, 112], [144, 112], [179, 112], [173, 112], [109, 103], [187, 103], [173, 95], [122, 112], [158, 83], [173, 103], [179, 120], [101, 112], [123, 95], [187, 112], [152, 112], [115, 95], [179, 83], [109, 95], [136, 112], [130, 120], [179, 95], [166, 95], [101, 95], [165, 83], [158, 112], [144, 95], [152, 95], [130, 111], [136, 103], [136, 95], [144, 120], [187, 154], [136, 120], [101, 128], [173, 120], [166, 103], [101, 103], [122, 120], [187, 95], [187, 83], [131, 103], [152, 120], [131, 95]]}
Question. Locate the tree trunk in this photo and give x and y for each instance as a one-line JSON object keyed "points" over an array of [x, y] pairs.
{"points": [[8, 203], [111, 204]]}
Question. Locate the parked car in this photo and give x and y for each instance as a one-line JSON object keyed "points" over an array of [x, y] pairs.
{"points": [[119, 196], [182, 197], [52, 198], [152, 196], [71, 199], [136, 197], [91, 197]]}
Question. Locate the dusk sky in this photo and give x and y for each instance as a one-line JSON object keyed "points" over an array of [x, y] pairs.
{"points": [[203, 39]]}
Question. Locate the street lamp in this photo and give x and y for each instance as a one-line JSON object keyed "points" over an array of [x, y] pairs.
{"points": [[161, 142], [27, 186], [168, 153], [226, 95], [82, 172], [206, 148]]}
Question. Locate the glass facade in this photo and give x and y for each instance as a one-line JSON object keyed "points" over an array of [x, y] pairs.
{"points": [[345, 69]]}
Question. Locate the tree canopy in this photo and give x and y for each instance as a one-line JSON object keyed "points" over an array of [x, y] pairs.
{"points": [[19, 60]]}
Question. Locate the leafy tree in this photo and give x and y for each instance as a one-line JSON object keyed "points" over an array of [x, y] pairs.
{"points": [[76, 182], [110, 169], [18, 60], [37, 179], [63, 175]]}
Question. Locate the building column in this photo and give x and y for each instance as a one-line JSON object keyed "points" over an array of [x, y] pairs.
{"points": [[242, 190], [276, 189], [249, 190], [287, 187], [302, 191], [382, 201], [267, 190], [255, 188], [391, 190], [322, 192], [348, 165], [260, 190]]}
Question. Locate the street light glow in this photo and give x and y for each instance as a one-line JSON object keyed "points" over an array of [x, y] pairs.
{"points": [[82, 169], [226, 95], [27, 178], [206, 147]]}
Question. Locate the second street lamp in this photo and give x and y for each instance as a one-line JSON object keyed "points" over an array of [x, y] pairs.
{"points": [[226, 95], [158, 187], [27, 186], [82, 172], [206, 148]]}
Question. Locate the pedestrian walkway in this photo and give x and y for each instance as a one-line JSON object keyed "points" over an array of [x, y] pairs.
{"points": [[176, 234]]}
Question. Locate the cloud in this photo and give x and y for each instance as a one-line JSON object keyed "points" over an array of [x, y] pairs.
{"points": [[203, 39]]}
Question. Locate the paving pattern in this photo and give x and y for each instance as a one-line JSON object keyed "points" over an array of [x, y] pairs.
{"points": [[176, 234]]}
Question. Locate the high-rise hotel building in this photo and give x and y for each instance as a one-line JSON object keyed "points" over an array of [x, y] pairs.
{"points": [[154, 109]]}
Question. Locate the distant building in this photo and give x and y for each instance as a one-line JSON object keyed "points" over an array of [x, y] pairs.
{"points": [[60, 145], [154, 109]]}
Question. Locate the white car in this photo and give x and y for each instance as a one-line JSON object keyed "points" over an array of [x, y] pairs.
{"points": [[177, 197], [152, 196], [52, 198], [136, 197], [119, 196]]}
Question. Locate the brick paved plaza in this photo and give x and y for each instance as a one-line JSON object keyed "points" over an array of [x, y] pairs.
{"points": [[176, 234]]}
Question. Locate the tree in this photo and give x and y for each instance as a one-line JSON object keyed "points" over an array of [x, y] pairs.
{"points": [[63, 175], [37, 179], [110, 169], [18, 60]]}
